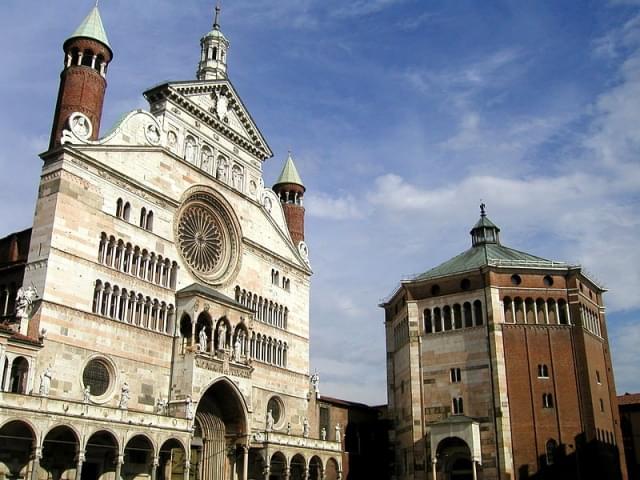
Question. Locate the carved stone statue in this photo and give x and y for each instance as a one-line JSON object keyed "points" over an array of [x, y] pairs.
{"points": [[86, 394], [124, 396], [190, 150], [305, 428], [323, 434], [236, 350], [161, 406], [222, 107], [189, 408], [270, 421], [315, 384], [45, 382], [222, 336], [202, 337], [221, 172], [237, 177], [207, 160], [24, 301], [338, 433]]}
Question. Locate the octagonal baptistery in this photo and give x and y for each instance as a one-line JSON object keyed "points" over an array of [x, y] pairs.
{"points": [[499, 367]]}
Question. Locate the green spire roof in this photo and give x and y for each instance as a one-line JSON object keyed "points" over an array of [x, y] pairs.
{"points": [[92, 27], [289, 173]]}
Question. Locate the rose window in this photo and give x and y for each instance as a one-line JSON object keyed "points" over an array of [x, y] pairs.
{"points": [[208, 236], [200, 239]]}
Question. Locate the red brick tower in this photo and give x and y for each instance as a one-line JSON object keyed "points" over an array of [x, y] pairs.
{"points": [[83, 80], [290, 189]]}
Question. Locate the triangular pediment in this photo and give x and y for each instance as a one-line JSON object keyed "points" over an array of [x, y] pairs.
{"points": [[218, 104]]}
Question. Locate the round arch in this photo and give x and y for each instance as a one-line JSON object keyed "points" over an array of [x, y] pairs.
{"points": [[59, 452], [220, 430], [172, 457], [101, 452], [332, 470], [277, 466], [139, 452], [316, 468], [454, 458], [18, 439], [298, 468]]}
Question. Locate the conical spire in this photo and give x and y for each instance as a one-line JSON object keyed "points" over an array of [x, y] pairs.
{"points": [[289, 174], [92, 27]]}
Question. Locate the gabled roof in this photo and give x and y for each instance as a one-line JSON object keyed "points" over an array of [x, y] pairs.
{"points": [[204, 291], [289, 173], [92, 27], [181, 92]]}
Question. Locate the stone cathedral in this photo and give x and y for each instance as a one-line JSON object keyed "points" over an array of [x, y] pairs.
{"points": [[156, 315]]}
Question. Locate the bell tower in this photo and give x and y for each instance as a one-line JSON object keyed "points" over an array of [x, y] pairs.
{"points": [[213, 56], [83, 80], [290, 189]]}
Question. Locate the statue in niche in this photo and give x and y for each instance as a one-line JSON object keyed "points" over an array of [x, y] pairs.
{"points": [[125, 395], [189, 408], [222, 107], [172, 140], [207, 160], [80, 125], [323, 434], [45, 382], [270, 421], [237, 177], [338, 433], [202, 338], [190, 150], [86, 394], [24, 301], [221, 172], [236, 349], [305, 428], [222, 336], [153, 134]]}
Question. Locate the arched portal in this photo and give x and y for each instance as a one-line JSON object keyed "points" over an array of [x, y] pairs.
{"points": [[298, 468], [138, 457], [60, 453], [454, 459], [277, 466], [171, 460], [220, 432], [17, 441], [315, 469], [19, 375], [101, 453]]}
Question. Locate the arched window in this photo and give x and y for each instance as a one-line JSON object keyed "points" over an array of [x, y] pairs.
{"points": [[447, 318], [437, 319], [543, 371], [547, 400], [126, 211], [19, 375], [551, 306], [562, 310], [143, 217], [468, 317], [97, 297], [458, 406], [119, 208], [457, 317], [149, 222], [550, 451], [477, 310], [518, 306], [428, 324], [87, 58]]}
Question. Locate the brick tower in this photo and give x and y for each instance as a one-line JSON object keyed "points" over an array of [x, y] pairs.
{"points": [[83, 80], [290, 189]]}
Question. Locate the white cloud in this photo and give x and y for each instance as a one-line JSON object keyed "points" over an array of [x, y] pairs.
{"points": [[333, 208]]}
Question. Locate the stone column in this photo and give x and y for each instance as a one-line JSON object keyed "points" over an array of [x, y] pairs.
{"points": [[267, 471], [119, 462], [154, 467], [557, 313], [566, 307], [79, 464], [245, 462], [535, 311], [187, 466], [287, 473], [7, 378], [35, 463], [434, 469], [473, 470], [546, 313]]}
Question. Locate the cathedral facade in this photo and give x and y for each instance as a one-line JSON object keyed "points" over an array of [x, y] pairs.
{"points": [[156, 316], [499, 367]]}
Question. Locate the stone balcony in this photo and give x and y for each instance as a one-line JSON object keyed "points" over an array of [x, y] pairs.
{"points": [[272, 439]]}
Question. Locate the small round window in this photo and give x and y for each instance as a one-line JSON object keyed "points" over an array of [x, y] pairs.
{"points": [[465, 284], [96, 376], [276, 409], [515, 279], [548, 281]]}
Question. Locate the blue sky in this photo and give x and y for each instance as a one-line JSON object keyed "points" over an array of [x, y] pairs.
{"points": [[402, 115]]}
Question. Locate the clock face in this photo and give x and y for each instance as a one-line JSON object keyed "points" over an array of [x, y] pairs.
{"points": [[207, 235]]}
